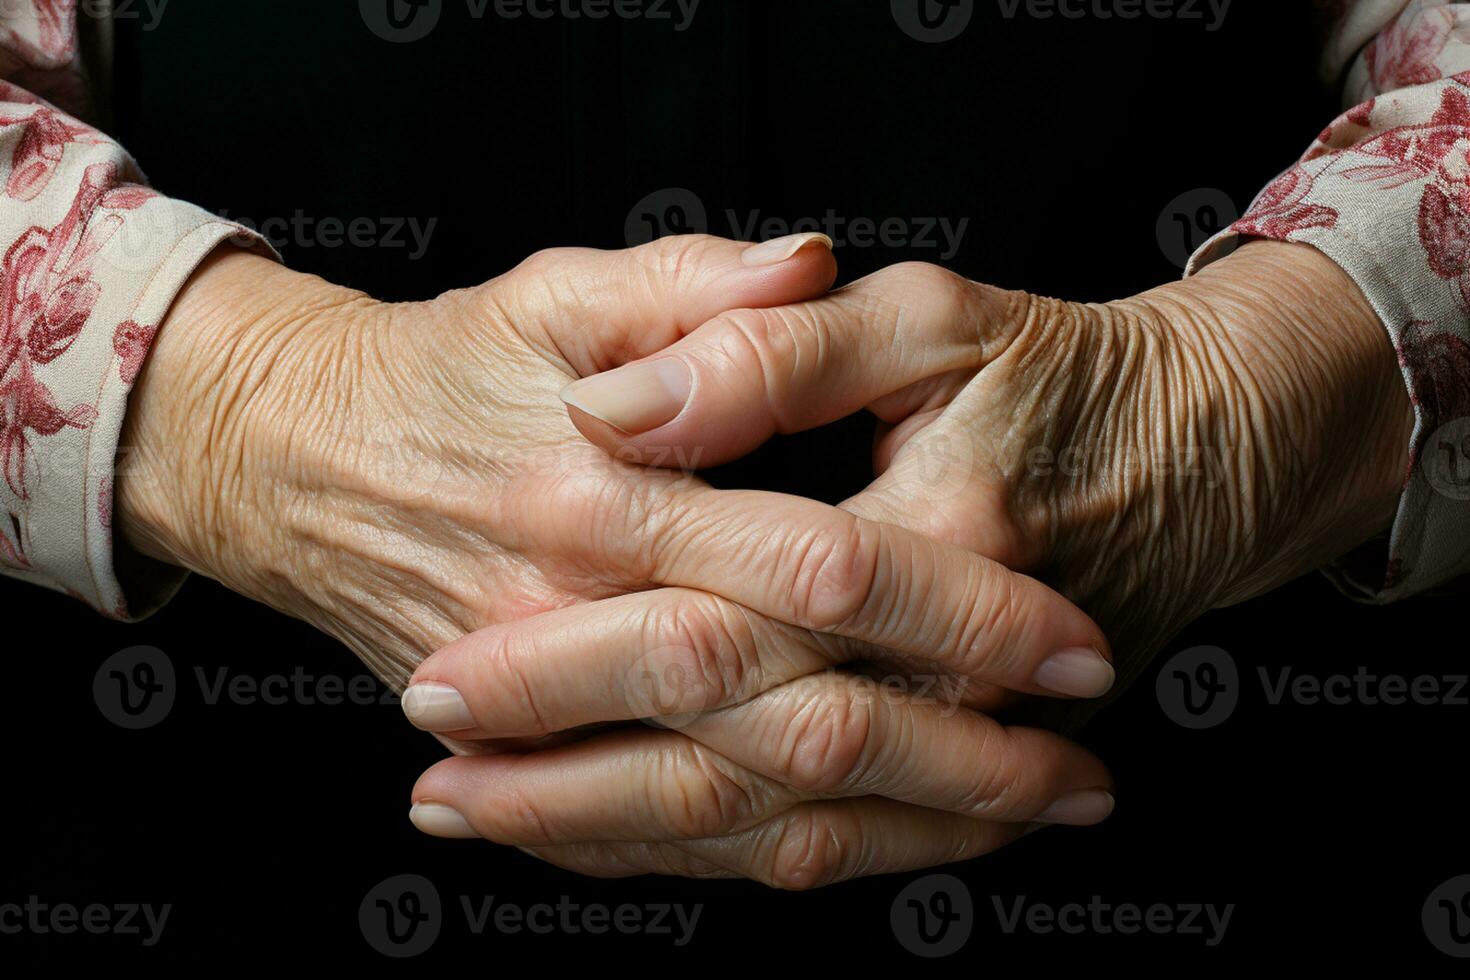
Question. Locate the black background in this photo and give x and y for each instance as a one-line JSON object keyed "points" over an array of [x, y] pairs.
{"points": [[1061, 141]]}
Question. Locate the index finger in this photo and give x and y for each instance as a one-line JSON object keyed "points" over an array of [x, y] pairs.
{"points": [[814, 566]]}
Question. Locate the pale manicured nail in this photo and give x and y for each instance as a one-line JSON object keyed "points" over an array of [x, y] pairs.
{"points": [[634, 399], [1080, 673], [1080, 809], [437, 708], [438, 820], [779, 250]]}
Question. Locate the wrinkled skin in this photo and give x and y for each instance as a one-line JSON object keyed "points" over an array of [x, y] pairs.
{"points": [[402, 475], [1150, 458], [398, 474]]}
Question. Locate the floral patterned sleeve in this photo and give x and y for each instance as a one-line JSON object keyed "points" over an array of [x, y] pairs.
{"points": [[90, 261], [1384, 192]]}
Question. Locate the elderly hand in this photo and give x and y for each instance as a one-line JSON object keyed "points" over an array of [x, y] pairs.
{"points": [[399, 474], [403, 475]]}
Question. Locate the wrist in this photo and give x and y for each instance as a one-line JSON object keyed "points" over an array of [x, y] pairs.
{"points": [[1312, 413], [209, 418]]}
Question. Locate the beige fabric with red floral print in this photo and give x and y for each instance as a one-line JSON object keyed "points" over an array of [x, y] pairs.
{"points": [[92, 260], [1385, 192]]}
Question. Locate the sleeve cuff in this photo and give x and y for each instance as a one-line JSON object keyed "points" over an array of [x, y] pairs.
{"points": [[83, 299], [1384, 194]]}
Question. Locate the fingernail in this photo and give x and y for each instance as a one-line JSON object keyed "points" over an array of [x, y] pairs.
{"points": [[778, 250], [635, 399], [437, 708], [438, 820], [1080, 809], [1080, 673]]}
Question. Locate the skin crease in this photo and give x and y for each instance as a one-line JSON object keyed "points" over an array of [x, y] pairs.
{"points": [[1270, 361], [400, 475], [306, 484], [1224, 434]]}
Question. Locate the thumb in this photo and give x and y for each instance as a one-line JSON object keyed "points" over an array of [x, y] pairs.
{"points": [[598, 309], [749, 374]]}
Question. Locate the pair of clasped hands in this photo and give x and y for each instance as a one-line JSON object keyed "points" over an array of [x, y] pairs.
{"points": [[639, 673]]}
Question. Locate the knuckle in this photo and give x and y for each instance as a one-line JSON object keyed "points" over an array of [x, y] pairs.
{"points": [[988, 643], [927, 279], [998, 782], [780, 337], [501, 675], [954, 296], [686, 865], [829, 746], [710, 648], [834, 572], [788, 344], [517, 819], [702, 797], [596, 512], [813, 847], [749, 338], [547, 261], [675, 257]]}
